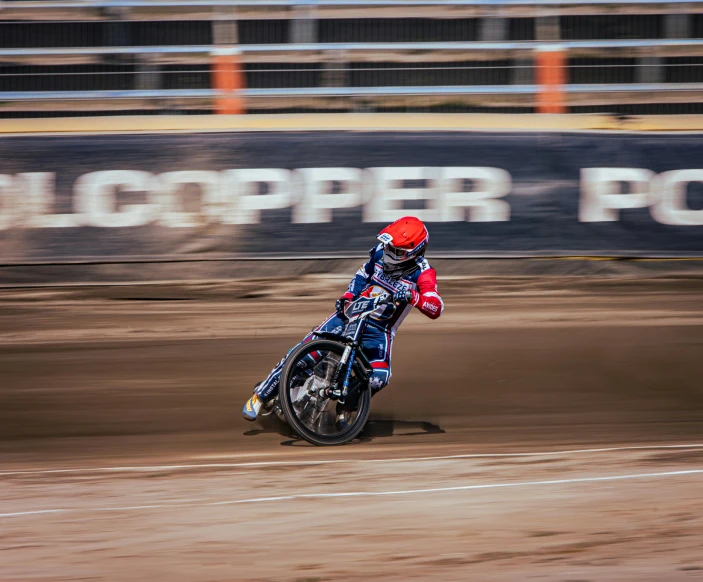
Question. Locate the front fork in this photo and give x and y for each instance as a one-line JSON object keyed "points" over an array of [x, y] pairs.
{"points": [[348, 356], [346, 363]]}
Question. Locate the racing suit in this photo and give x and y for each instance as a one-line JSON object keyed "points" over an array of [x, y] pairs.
{"points": [[377, 340]]}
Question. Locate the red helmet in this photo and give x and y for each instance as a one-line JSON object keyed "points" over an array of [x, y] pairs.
{"points": [[404, 241]]}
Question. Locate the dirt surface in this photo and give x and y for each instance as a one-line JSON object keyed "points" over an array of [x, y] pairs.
{"points": [[541, 429]]}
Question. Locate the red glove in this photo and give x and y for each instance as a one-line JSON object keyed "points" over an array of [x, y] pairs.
{"points": [[339, 305]]}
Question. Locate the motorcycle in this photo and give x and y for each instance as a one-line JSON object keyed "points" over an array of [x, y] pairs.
{"points": [[328, 402]]}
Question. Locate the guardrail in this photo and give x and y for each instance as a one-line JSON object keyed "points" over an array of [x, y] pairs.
{"points": [[107, 22], [348, 91], [548, 74], [374, 47], [357, 52], [329, 9], [520, 98], [323, 3], [549, 77]]}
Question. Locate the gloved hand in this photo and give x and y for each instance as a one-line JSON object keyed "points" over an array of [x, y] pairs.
{"points": [[341, 302], [400, 296]]}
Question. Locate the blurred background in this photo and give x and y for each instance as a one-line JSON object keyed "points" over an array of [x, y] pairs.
{"points": [[116, 57], [186, 187]]}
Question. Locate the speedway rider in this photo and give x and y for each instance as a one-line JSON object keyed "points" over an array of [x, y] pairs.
{"points": [[396, 266]]}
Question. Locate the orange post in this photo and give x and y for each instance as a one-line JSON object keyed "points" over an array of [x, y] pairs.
{"points": [[227, 75], [551, 77]]}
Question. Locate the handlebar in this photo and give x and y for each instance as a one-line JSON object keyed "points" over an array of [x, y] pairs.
{"points": [[385, 299]]}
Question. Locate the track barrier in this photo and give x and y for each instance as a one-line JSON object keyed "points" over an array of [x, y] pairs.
{"points": [[551, 79], [228, 77]]}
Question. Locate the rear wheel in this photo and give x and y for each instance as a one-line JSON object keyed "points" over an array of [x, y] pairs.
{"points": [[309, 369]]}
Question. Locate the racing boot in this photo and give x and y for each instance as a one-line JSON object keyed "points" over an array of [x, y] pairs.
{"points": [[253, 406]]}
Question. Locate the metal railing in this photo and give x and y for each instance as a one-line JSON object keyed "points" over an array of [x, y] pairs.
{"points": [[122, 31], [642, 52], [432, 90], [411, 49], [607, 97], [365, 4]]}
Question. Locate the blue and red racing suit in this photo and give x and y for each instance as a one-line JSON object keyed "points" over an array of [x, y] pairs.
{"points": [[377, 340]]}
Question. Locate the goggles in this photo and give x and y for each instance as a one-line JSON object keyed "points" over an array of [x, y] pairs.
{"points": [[397, 254]]}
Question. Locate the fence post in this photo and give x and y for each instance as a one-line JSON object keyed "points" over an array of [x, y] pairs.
{"points": [[303, 25], [148, 71], [228, 77], [678, 26], [550, 63], [492, 27], [225, 26]]}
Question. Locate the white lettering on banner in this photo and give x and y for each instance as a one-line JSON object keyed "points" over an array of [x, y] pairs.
{"points": [[96, 199], [386, 203], [36, 199], [668, 198], [243, 201], [172, 203], [317, 203], [482, 203], [663, 194], [240, 196], [601, 192], [7, 209]]}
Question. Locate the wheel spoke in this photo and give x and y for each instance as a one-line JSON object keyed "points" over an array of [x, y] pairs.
{"points": [[313, 371]]}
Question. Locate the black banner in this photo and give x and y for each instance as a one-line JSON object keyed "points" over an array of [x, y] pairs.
{"points": [[320, 194]]}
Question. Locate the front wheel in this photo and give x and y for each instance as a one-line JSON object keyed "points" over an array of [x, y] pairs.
{"points": [[308, 371]]}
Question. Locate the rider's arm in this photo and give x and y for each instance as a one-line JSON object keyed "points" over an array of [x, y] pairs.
{"points": [[427, 298], [363, 275]]}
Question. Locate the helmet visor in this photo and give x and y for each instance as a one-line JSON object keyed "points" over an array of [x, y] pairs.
{"points": [[396, 254]]}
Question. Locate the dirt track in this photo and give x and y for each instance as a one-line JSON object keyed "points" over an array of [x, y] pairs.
{"points": [[155, 376]]}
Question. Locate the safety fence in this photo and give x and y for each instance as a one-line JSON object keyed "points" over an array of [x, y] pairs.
{"points": [[491, 76], [236, 56]]}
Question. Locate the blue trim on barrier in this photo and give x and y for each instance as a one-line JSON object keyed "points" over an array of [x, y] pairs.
{"points": [[368, 46], [345, 91], [325, 3], [637, 87], [127, 94], [426, 90]]}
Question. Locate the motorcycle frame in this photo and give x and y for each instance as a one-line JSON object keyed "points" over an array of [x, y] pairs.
{"points": [[352, 347]]}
